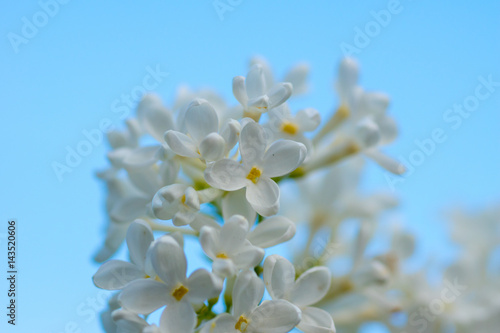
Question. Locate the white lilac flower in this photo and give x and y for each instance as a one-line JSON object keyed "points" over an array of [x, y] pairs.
{"points": [[366, 119], [178, 202], [234, 247], [308, 289], [254, 94], [116, 274], [283, 125], [129, 322], [259, 164], [297, 75], [175, 290], [204, 140], [247, 316]]}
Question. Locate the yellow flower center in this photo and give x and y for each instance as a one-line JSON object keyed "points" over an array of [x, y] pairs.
{"points": [[242, 324], [222, 256], [254, 175], [289, 128], [179, 293]]}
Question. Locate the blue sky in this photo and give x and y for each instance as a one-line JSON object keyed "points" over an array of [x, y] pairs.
{"points": [[68, 75]]}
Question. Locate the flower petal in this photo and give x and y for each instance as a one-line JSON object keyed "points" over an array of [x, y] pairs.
{"points": [[274, 316], [308, 119], [212, 147], [279, 94], [279, 276], [311, 286], [316, 320], [223, 323], [141, 157], [247, 292], [236, 203], [139, 238], [203, 285], [255, 82], [181, 144], [226, 175], [154, 117], [210, 241], [272, 231], [178, 317], [144, 296], [116, 274], [233, 233], [264, 196], [253, 143], [169, 260], [247, 256], [239, 90], [201, 119], [283, 157], [297, 76]]}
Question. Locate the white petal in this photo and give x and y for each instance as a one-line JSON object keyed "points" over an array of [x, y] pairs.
{"points": [[224, 267], [272, 231], [226, 175], [233, 233], [347, 77], [247, 292], [255, 82], [279, 94], [367, 133], [297, 76], [264, 196], [128, 321], [231, 133], [374, 103], [279, 276], [247, 256], [274, 316], [239, 90], [184, 217], [139, 238], [181, 144], [223, 323], [202, 220], [213, 147], [253, 143], [203, 285], [116, 274], [316, 320], [144, 296], [141, 157], [178, 317], [386, 162], [154, 117], [201, 119], [166, 201], [210, 241], [308, 119], [236, 203], [129, 209], [145, 179], [311, 286], [169, 260], [283, 157]]}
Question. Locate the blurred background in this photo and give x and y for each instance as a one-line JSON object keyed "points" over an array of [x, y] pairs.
{"points": [[70, 68]]}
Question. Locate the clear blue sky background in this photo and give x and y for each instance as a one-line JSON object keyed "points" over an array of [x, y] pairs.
{"points": [[64, 79]]}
